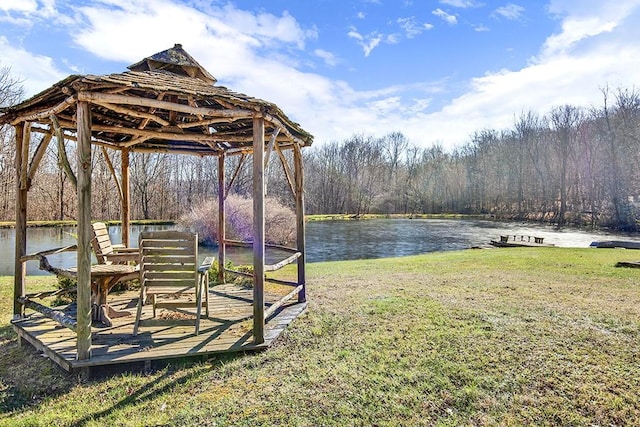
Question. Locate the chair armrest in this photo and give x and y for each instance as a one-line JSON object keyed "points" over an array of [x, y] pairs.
{"points": [[122, 257], [206, 264], [123, 250]]}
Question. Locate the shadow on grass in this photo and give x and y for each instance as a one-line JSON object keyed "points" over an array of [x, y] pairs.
{"points": [[178, 372], [27, 377]]}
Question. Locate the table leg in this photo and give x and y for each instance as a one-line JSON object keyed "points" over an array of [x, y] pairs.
{"points": [[103, 315]]}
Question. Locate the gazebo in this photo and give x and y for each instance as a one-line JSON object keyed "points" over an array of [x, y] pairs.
{"points": [[166, 103]]}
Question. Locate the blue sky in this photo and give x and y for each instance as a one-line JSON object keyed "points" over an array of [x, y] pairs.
{"points": [[435, 70]]}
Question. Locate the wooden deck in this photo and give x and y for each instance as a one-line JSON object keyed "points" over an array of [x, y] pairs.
{"points": [[228, 329]]}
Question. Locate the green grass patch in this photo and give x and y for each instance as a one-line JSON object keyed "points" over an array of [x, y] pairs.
{"points": [[544, 336]]}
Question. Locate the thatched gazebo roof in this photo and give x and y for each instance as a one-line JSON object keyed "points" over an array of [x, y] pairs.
{"points": [[165, 103]]}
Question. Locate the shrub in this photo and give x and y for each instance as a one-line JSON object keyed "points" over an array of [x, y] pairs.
{"points": [[203, 219]]}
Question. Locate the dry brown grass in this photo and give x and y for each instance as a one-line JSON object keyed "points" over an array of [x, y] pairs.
{"points": [[492, 337]]}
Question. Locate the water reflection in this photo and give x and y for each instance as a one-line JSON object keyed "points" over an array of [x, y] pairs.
{"points": [[330, 240]]}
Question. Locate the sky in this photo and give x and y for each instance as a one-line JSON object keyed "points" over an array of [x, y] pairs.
{"points": [[435, 70]]}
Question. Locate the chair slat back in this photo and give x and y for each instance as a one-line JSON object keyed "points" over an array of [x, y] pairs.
{"points": [[168, 261], [101, 242]]}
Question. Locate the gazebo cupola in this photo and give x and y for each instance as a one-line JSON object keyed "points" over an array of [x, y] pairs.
{"points": [[174, 60]]}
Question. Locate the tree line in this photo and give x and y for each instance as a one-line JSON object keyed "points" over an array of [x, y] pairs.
{"points": [[571, 165]]}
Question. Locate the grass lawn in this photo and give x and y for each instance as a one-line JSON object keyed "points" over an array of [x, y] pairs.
{"points": [[545, 336]]}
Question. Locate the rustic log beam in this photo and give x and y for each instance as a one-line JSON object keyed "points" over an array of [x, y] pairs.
{"points": [[84, 231], [268, 117], [243, 244], [276, 305], [39, 255], [258, 230], [149, 134], [277, 123], [164, 105], [205, 122], [62, 152], [267, 155], [112, 170], [46, 113], [192, 152], [235, 174], [134, 113], [281, 282], [57, 315], [192, 102], [59, 272], [38, 155], [48, 294], [287, 170], [136, 141], [284, 145], [279, 265]]}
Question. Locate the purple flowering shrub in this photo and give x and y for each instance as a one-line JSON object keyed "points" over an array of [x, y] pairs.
{"points": [[280, 221]]}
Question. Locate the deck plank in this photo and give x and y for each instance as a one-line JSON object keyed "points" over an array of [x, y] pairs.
{"points": [[227, 329]]}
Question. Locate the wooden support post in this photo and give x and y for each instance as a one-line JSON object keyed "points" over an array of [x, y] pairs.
{"points": [[300, 233], [258, 230], [24, 169], [221, 219], [84, 231], [21, 226], [126, 199]]}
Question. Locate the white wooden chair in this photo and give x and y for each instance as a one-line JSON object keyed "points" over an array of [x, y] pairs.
{"points": [[169, 266]]}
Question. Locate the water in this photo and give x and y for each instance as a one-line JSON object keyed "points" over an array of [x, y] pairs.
{"points": [[332, 240], [341, 240]]}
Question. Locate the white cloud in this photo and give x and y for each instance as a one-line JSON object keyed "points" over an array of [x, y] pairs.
{"points": [[511, 11], [28, 6], [393, 38], [585, 21], [464, 4], [372, 42], [411, 26], [446, 17], [595, 46], [36, 71], [328, 57], [368, 42], [571, 68], [27, 13]]}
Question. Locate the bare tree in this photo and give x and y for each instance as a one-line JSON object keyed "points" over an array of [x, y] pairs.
{"points": [[565, 120], [11, 91]]}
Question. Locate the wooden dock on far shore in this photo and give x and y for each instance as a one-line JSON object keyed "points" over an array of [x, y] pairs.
{"points": [[515, 241]]}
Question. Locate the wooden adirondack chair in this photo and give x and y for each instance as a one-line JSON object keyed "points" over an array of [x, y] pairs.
{"points": [[108, 253], [169, 266]]}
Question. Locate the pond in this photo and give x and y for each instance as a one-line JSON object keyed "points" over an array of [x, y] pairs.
{"points": [[333, 240]]}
